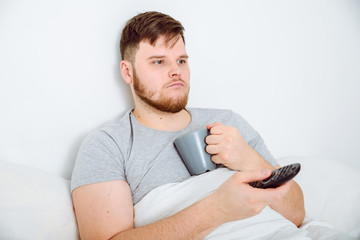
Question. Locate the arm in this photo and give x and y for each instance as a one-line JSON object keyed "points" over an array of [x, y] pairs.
{"points": [[105, 210], [228, 147]]}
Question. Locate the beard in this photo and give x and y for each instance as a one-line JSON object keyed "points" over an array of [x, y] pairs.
{"points": [[163, 104]]}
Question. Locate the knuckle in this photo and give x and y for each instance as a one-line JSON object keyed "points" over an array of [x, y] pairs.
{"points": [[228, 139], [227, 147], [255, 205], [238, 177], [257, 209], [232, 129]]}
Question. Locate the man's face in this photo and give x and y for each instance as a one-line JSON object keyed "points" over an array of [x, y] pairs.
{"points": [[161, 75]]}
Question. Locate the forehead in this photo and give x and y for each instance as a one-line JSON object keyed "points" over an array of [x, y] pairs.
{"points": [[161, 47]]}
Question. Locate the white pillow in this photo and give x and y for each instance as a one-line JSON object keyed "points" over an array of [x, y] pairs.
{"points": [[331, 192], [34, 204]]}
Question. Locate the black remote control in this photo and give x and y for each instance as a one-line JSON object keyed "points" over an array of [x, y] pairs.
{"points": [[278, 176]]}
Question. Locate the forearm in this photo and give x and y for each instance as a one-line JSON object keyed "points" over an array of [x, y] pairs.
{"points": [[252, 160], [194, 222], [292, 205]]}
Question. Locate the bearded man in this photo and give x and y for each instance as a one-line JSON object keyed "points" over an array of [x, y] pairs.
{"points": [[120, 163]]}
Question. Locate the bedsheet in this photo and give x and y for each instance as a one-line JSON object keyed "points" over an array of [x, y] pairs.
{"points": [[168, 199]]}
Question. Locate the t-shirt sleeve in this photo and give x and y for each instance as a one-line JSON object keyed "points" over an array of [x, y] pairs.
{"points": [[254, 139], [99, 160]]}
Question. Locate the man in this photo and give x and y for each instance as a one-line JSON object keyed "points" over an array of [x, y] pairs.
{"points": [[120, 163]]}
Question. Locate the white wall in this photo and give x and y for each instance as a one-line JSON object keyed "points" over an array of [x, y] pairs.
{"points": [[291, 68]]}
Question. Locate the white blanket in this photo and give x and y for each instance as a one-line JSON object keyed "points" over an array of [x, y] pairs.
{"points": [[169, 199]]}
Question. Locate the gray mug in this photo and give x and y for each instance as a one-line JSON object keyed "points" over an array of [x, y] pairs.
{"points": [[191, 147]]}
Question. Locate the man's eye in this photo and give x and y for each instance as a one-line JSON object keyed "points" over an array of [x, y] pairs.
{"points": [[159, 62], [181, 61]]}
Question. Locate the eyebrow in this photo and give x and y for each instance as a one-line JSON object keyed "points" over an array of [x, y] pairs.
{"points": [[162, 56]]}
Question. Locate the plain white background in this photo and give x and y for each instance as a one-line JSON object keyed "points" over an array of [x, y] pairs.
{"points": [[291, 68]]}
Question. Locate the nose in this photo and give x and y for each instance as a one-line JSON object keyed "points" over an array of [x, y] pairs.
{"points": [[175, 70]]}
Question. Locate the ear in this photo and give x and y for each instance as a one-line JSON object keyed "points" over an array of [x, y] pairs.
{"points": [[126, 71]]}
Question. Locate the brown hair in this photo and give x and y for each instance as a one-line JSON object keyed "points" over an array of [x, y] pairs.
{"points": [[148, 26]]}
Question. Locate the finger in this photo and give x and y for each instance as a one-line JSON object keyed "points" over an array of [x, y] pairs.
{"points": [[218, 129], [216, 159], [212, 139], [211, 125], [212, 149]]}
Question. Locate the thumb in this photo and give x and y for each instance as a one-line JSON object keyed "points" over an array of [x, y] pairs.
{"points": [[254, 175]]}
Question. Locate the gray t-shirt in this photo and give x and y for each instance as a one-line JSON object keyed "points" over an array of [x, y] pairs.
{"points": [[147, 158]]}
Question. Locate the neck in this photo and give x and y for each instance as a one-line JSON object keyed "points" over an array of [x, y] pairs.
{"points": [[163, 121]]}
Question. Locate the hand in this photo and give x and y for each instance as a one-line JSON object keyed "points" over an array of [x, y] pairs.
{"points": [[236, 199], [228, 147]]}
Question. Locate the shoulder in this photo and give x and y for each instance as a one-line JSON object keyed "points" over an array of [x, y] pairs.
{"points": [[102, 154], [117, 131]]}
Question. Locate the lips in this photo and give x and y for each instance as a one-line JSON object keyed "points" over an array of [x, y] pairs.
{"points": [[178, 83]]}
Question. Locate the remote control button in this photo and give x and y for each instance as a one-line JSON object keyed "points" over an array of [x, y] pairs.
{"points": [[277, 175]]}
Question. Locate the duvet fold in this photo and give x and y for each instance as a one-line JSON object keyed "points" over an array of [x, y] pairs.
{"points": [[169, 199]]}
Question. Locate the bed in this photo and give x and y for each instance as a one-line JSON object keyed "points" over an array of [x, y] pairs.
{"points": [[37, 205]]}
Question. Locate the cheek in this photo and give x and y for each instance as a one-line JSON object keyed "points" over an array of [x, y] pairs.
{"points": [[186, 75], [153, 82], [146, 77]]}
